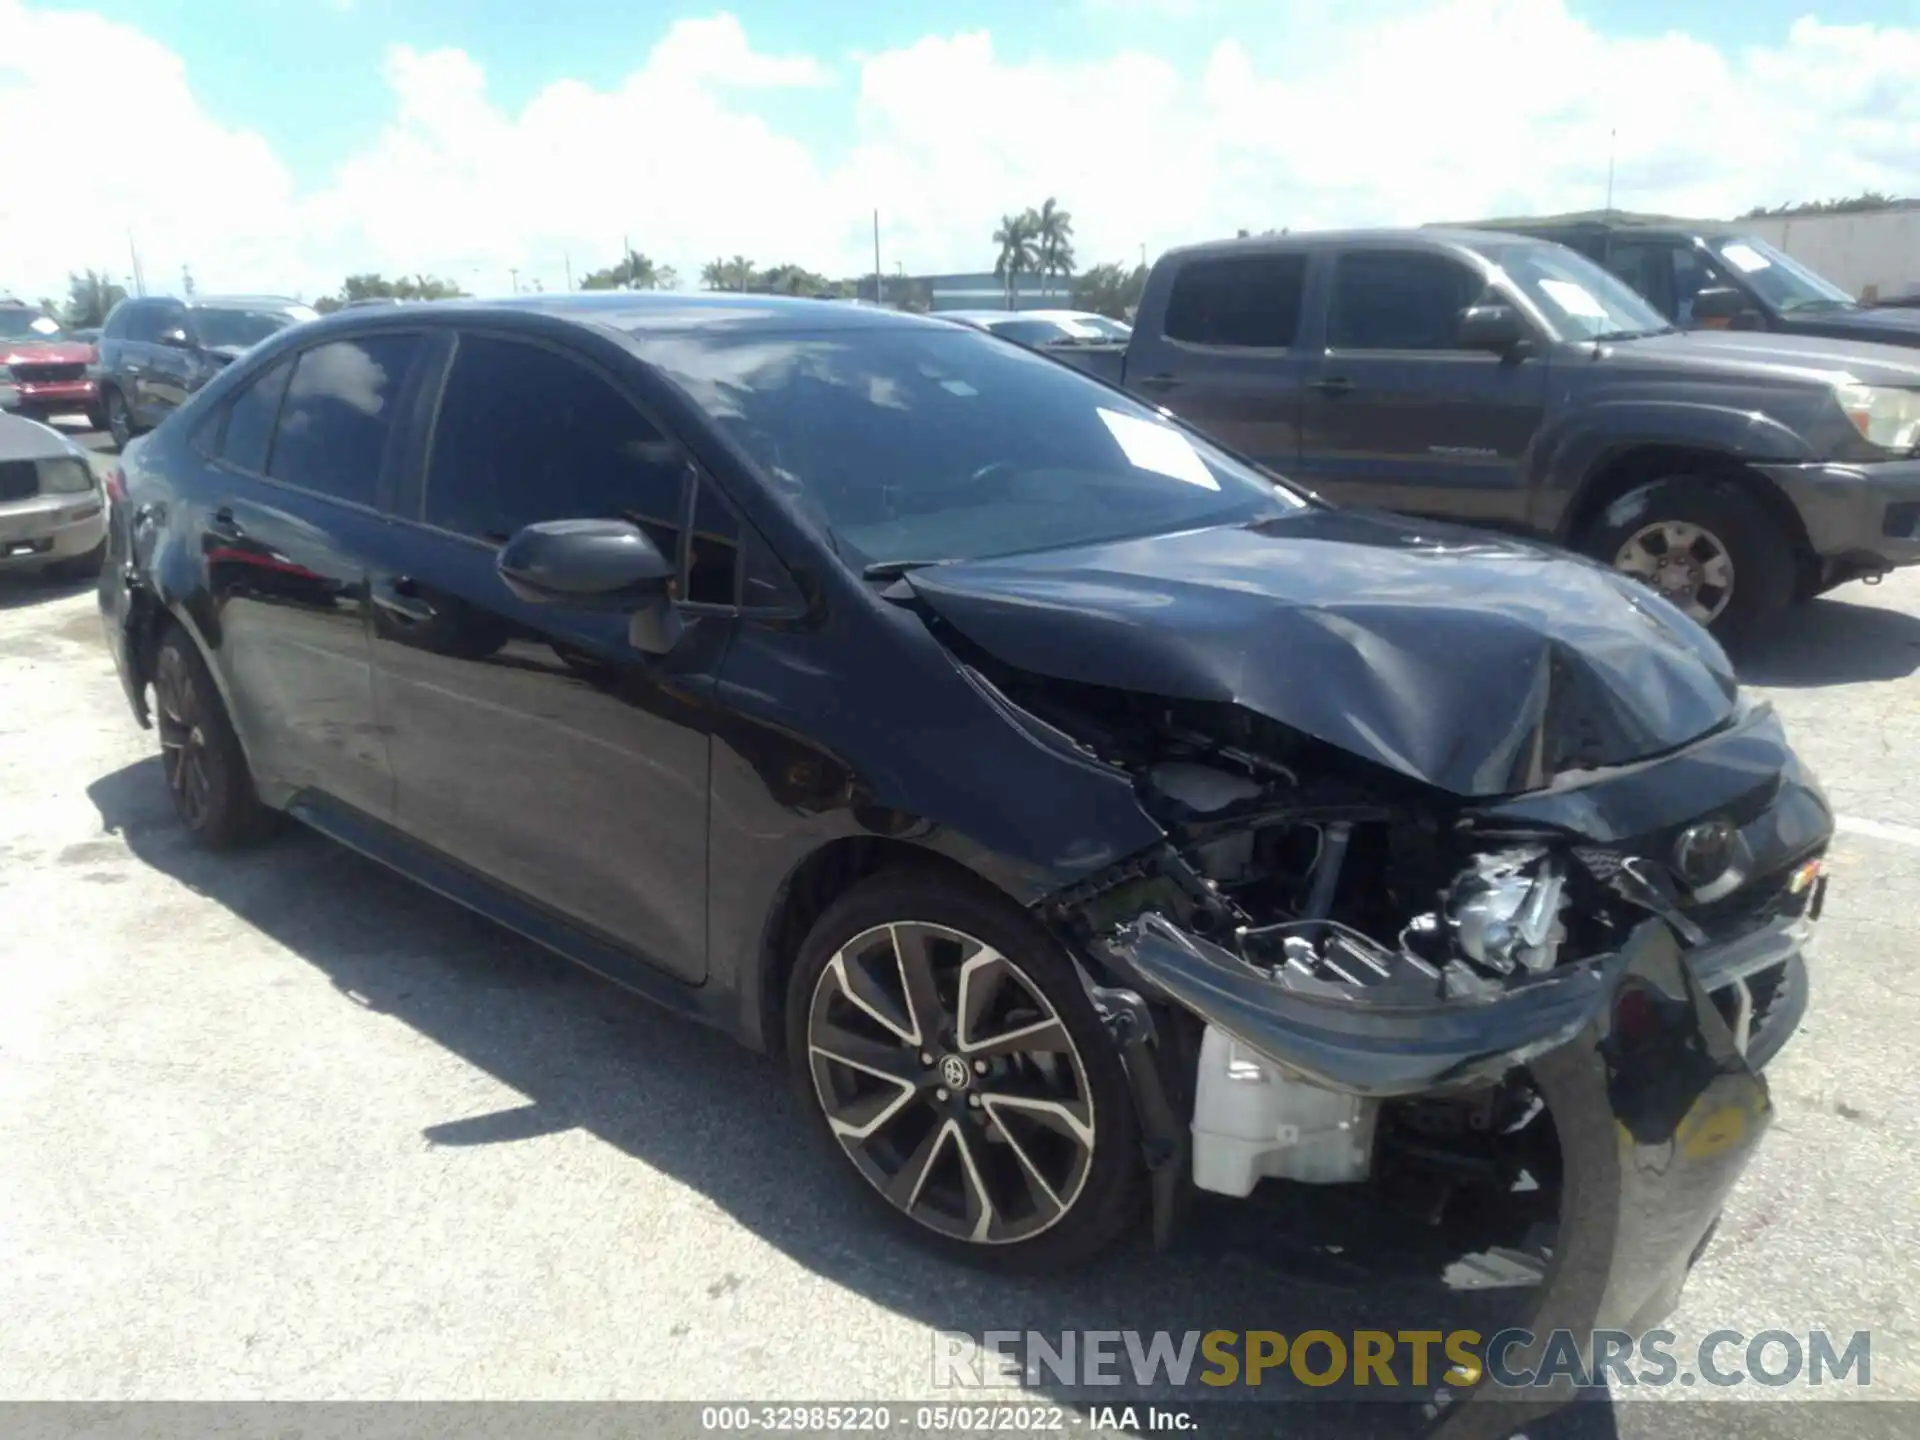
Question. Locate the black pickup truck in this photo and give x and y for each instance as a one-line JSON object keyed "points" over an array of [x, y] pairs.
{"points": [[1512, 383], [1706, 275]]}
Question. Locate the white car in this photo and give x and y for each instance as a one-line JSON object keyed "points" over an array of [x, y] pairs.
{"points": [[1044, 327], [53, 510]]}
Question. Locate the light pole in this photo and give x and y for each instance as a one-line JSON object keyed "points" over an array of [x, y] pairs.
{"points": [[513, 277]]}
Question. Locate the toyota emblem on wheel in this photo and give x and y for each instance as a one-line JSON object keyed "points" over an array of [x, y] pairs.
{"points": [[953, 1073]]}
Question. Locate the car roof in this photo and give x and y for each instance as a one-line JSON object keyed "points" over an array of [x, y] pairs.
{"points": [[647, 312], [24, 439], [1426, 237], [1607, 222], [222, 302], [246, 302]]}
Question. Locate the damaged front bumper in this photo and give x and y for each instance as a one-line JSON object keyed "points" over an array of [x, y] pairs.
{"points": [[1647, 1065]]}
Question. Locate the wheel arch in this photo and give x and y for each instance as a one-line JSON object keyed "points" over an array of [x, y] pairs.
{"points": [[810, 888], [1622, 471]]}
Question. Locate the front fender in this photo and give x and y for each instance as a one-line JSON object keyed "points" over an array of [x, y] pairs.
{"points": [[1579, 454]]}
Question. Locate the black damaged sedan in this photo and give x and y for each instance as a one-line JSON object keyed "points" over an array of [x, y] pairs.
{"points": [[1086, 815]]}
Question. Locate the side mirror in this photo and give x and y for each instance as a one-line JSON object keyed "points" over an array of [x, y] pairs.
{"points": [[1719, 302], [1491, 327], [176, 339], [607, 565]]}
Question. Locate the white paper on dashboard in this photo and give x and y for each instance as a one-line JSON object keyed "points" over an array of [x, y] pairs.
{"points": [[1574, 299], [1158, 448]]}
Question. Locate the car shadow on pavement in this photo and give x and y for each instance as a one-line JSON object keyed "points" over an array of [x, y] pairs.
{"points": [[19, 591], [694, 1105], [1832, 642]]}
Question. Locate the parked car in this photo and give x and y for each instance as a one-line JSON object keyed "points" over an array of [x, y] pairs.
{"points": [[1512, 383], [155, 351], [1044, 327], [53, 511], [1079, 811], [1702, 274], [46, 366]]}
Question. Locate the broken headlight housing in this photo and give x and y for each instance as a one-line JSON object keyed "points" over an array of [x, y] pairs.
{"points": [[1504, 911]]}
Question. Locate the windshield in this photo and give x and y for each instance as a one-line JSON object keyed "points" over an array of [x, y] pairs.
{"points": [[1777, 278], [1581, 299], [918, 445], [17, 322], [239, 328]]}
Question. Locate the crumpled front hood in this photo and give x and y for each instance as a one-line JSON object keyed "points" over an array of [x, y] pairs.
{"points": [[1480, 666]]}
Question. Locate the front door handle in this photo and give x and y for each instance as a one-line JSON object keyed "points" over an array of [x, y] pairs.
{"points": [[401, 596], [222, 523], [1157, 382], [1332, 385]]}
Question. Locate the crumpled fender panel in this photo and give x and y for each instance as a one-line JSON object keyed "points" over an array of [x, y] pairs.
{"points": [[1477, 665]]}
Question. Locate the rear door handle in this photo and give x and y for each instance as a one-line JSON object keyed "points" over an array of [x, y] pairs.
{"points": [[1331, 385], [401, 596], [1157, 382], [222, 523]]}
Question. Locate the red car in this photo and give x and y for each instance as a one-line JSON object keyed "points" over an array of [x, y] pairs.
{"points": [[52, 371]]}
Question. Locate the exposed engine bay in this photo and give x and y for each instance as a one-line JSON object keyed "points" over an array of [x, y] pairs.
{"points": [[1316, 874]]}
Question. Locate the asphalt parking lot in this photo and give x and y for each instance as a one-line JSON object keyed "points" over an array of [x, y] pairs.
{"points": [[283, 1126]]}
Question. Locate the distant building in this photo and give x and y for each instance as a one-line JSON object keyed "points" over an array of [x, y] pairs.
{"points": [[982, 291], [1874, 254]]}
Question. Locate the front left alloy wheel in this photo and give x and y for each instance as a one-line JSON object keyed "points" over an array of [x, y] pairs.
{"points": [[949, 1055]]}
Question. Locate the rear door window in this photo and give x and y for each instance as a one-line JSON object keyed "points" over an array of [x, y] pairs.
{"points": [[1242, 302], [1399, 300], [339, 414]]}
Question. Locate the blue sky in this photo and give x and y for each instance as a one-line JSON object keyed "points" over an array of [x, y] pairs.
{"points": [[281, 144], [331, 99]]}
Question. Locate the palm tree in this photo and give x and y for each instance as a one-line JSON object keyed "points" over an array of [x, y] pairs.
{"points": [[739, 273], [1053, 241], [713, 275], [1016, 238]]}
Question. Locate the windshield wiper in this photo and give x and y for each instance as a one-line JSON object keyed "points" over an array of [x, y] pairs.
{"points": [[894, 569], [1630, 334]]}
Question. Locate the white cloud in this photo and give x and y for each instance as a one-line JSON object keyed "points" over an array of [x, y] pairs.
{"points": [[1321, 114]]}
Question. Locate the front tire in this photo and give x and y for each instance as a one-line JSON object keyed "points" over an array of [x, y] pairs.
{"points": [[950, 1061], [207, 775], [1713, 551], [119, 419]]}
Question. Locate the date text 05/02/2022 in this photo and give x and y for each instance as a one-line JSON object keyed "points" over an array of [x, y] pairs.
{"points": [[961, 1419]]}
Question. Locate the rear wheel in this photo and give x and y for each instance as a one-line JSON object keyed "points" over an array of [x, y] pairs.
{"points": [[118, 417], [1713, 552], [950, 1059], [207, 776]]}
